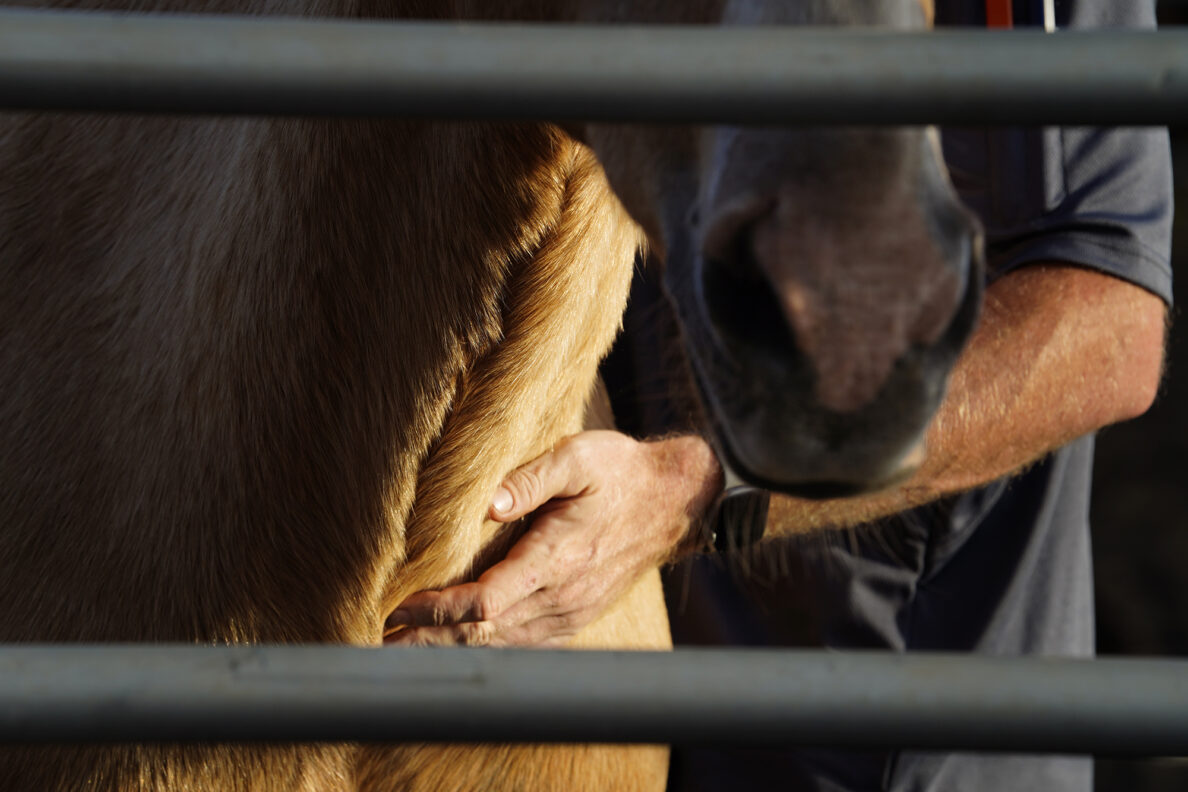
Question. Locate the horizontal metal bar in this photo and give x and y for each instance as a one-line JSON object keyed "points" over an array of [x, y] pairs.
{"points": [[754, 697], [240, 65]]}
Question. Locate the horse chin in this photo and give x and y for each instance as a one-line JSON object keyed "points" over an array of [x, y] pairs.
{"points": [[765, 459], [801, 452]]}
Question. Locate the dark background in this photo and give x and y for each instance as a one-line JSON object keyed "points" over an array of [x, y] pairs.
{"points": [[1140, 507]]}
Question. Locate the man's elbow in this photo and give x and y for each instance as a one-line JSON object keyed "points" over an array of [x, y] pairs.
{"points": [[1139, 367]]}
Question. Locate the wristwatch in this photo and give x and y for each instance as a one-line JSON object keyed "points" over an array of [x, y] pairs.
{"points": [[738, 516]]}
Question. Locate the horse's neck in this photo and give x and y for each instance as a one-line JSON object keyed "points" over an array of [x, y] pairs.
{"points": [[415, 241], [469, 299], [248, 335]]}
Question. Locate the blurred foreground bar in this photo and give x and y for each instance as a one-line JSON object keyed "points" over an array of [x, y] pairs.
{"points": [[70, 693], [71, 60]]}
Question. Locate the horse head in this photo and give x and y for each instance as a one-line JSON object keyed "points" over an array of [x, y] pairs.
{"points": [[825, 279]]}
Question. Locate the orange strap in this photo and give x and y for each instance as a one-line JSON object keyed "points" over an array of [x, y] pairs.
{"points": [[998, 14]]}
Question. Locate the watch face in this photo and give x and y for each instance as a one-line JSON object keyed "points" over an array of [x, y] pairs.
{"points": [[740, 517]]}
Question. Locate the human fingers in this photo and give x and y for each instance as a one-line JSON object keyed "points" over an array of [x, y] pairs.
{"points": [[548, 618], [511, 581], [460, 603], [533, 622], [468, 634], [555, 630], [554, 474]]}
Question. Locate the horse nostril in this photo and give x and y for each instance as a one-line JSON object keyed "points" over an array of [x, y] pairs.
{"points": [[742, 305]]}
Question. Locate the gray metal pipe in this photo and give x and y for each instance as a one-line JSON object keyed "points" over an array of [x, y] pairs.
{"points": [[755, 697], [238, 65]]}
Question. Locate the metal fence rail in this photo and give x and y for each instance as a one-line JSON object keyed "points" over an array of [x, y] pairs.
{"points": [[212, 64], [90, 61], [143, 693]]}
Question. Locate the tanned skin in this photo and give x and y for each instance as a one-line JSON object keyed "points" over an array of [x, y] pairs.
{"points": [[1061, 351]]}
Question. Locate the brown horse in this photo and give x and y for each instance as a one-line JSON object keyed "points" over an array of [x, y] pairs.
{"points": [[260, 376]]}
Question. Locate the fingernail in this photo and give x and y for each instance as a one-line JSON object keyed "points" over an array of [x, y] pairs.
{"points": [[502, 502], [398, 618]]}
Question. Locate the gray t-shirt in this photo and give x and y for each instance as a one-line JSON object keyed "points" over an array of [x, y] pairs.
{"points": [[1004, 569]]}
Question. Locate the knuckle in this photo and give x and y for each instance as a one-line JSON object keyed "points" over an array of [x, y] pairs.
{"points": [[569, 555], [439, 614], [487, 605], [526, 485], [477, 633], [577, 558], [580, 457]]}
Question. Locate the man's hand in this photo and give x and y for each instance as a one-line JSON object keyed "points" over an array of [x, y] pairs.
{"points": [[608, 508]]}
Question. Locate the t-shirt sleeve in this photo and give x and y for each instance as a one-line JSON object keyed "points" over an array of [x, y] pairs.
{"points": [[1097, 197]]}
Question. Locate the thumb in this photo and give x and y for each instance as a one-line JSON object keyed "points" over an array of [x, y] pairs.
{"points": [[527, 488]]}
